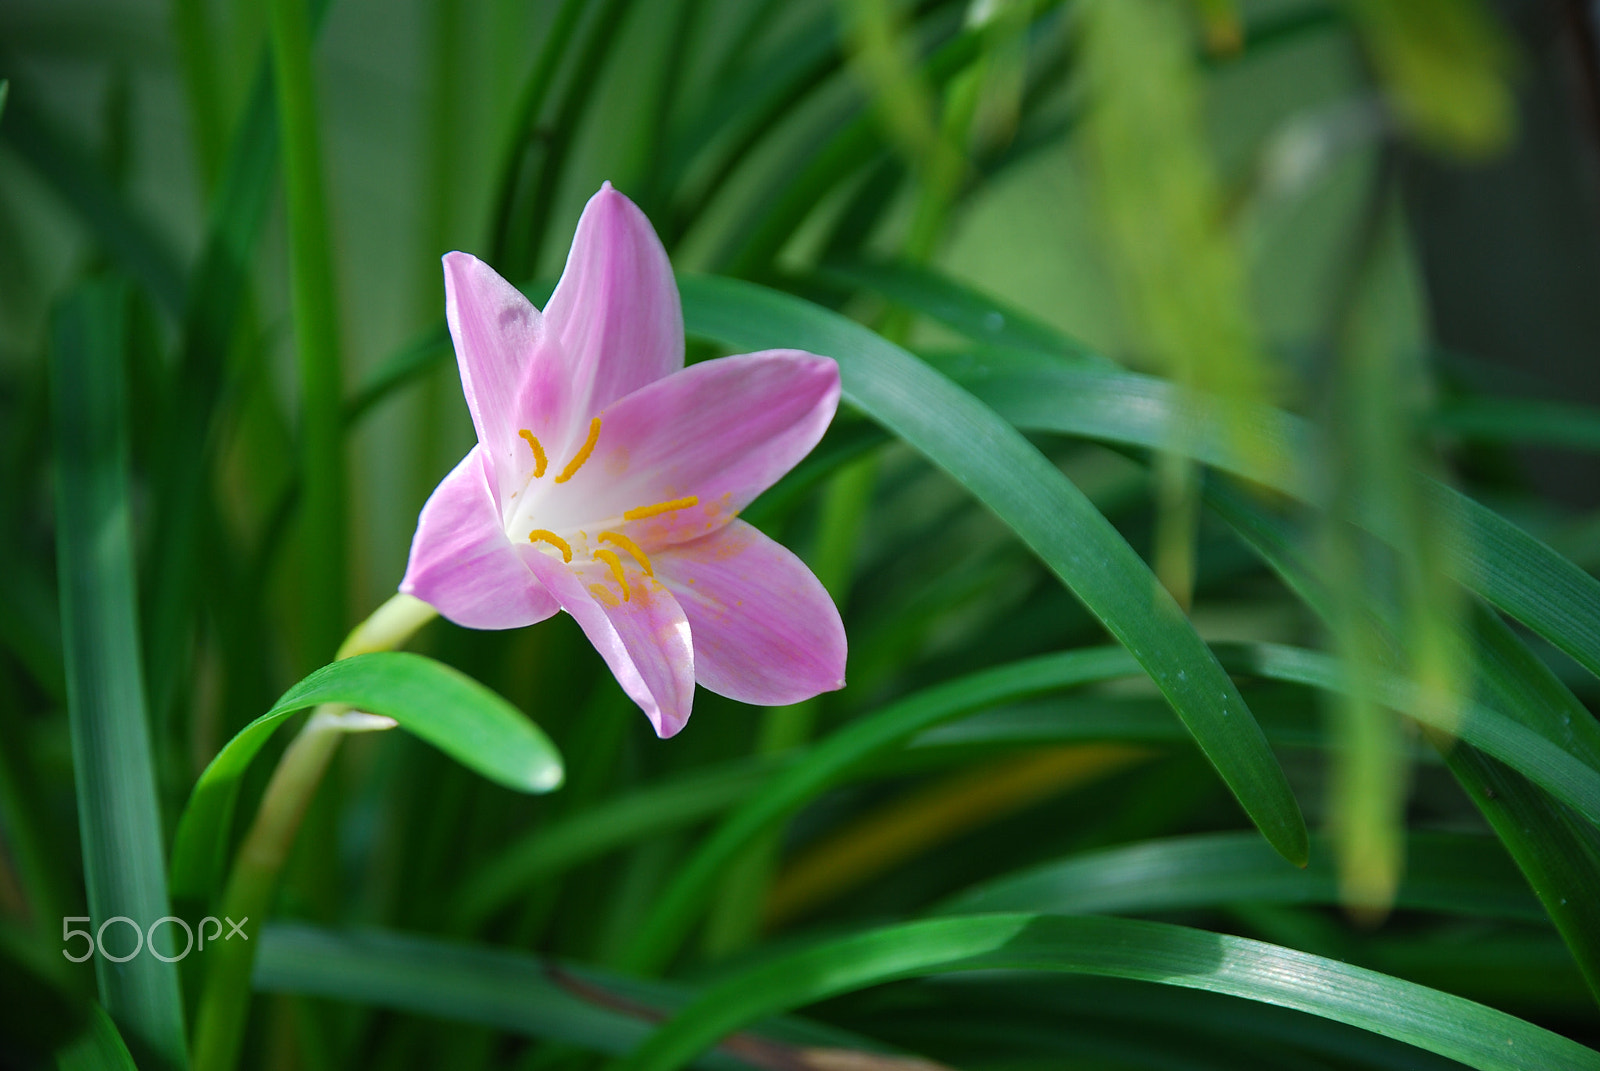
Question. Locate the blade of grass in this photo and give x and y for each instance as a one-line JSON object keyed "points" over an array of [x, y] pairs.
{"points": [[439, 704], [1557, 851], [243, 193], [530, 102], [1476, 1035], [70, 170], [1521, 420], [316, 333], [99, 1048], [829, 760], [977, 316], [119, 820], [1452, 873], [604, 827], [507, 989], [1482, 550], [1047, 512]]}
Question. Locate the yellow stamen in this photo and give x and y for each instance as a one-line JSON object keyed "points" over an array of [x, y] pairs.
{"points": [[611, 559], [583, 452], [603, 593], [538, 452], [660, 507], [554, 540], [631, 547]]}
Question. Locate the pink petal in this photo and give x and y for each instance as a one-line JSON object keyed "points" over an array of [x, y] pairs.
{"points": [[497, 333], [721, 431], [615, 312], [765, 630], [644, 640], [463, 565]]}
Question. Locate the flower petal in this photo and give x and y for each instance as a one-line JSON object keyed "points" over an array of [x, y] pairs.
{"points": [[497, 333], [461, 562], [644, 640], [615, 312], [721, 431], [765, 630]]}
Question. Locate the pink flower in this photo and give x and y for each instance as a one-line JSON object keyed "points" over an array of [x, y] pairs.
{"points": [[608, 478]]}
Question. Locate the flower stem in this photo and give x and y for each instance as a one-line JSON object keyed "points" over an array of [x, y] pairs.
{"points": [[225, 1001]]}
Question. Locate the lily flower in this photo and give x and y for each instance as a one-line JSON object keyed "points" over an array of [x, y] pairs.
{"points": [[608, 478]]}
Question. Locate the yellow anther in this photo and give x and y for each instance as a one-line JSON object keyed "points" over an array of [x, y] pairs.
{"points": [[631, 547], [611, 559], [583, 452], [538, 452], [603, 593], [660, 507], [540, 534]]}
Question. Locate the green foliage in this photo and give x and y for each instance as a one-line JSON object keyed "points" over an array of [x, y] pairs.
{"points": [[1118, 290]]}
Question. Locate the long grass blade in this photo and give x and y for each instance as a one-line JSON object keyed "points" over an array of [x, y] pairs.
{"points": [[1049, 514], [118, 818], [317, 341], [1476, 1035], [1453, 873]]}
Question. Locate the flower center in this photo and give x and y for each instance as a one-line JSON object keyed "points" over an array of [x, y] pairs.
{"points": [[573, 542]]}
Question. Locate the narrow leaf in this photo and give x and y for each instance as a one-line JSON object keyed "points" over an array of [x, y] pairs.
{"points": [[98, 1048], [1012, 478], [1457, 874], [1451, 1026], [119, 821], [439, 704]]}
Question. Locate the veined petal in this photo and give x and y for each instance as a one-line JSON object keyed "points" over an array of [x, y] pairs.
{"points": [[461, 562], [497, 334], [616, 312], [765, 630], [721, 431], [645, 639]]}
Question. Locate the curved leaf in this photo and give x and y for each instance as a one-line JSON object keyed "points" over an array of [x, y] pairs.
{"points": [[98, 1048], [502, 988], [1451, 1026], [1444, 872], [1012, 478], [431, 700], [830, 759]]}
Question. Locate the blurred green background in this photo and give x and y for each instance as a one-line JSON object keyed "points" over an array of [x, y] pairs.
{"points": [[1302, 297]]}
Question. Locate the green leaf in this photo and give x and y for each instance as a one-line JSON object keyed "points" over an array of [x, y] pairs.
{"points": [[1457, 874], [1477, 1036], [1556, 849], [590, 833], [1013, 479], [70, 170], [98, 1048], [431, 700], [1521, 420], [505, 989], [119, 821], [315, 309], [1544, 761], [1482, 550], [831, 759], [975, 315]]}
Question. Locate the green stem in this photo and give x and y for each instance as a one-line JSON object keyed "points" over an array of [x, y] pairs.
{"points": [[225, 1002], [316, 330]]}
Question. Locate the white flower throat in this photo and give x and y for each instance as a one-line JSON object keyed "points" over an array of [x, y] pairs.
{"points": [[573, 543]]}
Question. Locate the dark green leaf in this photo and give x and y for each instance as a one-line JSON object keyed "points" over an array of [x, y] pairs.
{"points": [[1444, 872], [1476, 1035], [1046, 511], [441, 705], [119, 820]]}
